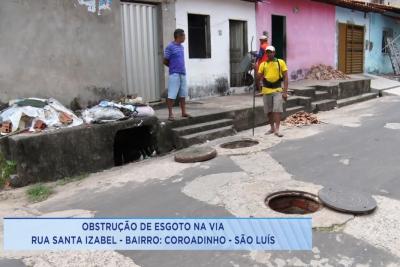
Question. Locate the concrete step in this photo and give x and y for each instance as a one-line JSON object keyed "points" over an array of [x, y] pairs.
{"points": [[321, 95], [304, 91], [292, 101], [200, 127], [356, 99], [293, 110], [201, 119], [323, 105], [201, 137]]}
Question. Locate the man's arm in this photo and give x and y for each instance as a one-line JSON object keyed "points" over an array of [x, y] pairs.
{"points": [[285, 85], [166, 62], [285, 81], [167, 54]]}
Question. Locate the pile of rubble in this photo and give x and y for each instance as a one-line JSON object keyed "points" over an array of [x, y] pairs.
{"points": [[301, 118], [324, 72], [35, 114]]}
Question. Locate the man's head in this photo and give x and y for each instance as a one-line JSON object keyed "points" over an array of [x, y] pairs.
{"points": [[270, 52], [263, 39], [179, 35]]}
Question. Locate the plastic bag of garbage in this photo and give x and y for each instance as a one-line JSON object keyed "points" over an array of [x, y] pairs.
{"points": [[99, 114], [46, 110], [143, 111]]}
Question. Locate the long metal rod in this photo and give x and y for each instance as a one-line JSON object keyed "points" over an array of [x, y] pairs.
{"points": [[254, 86]]}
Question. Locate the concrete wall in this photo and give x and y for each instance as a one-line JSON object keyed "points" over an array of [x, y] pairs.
{"points": [[310, 28], [202, 74], [374, 60], [57, 48]]}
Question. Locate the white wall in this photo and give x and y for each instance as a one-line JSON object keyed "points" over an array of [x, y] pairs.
{"points": [[202, 73]]}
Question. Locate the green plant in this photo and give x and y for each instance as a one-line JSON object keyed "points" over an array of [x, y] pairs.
{"points": [[38, 192], [7, 168]]}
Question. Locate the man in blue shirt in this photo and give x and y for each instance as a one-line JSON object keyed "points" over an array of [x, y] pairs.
{"points": [[174, 59]]}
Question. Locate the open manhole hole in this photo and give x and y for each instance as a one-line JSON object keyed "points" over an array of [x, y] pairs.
{"points": [[240, 144], [293, 202]]}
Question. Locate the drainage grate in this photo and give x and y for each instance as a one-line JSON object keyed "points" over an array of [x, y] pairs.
{"points": [[293, 202], [240, 144]]}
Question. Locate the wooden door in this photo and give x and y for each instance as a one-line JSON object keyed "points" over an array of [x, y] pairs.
{"points": [[351, 48]]}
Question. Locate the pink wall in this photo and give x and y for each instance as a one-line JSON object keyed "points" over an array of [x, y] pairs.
{"points": [[310, 33]]}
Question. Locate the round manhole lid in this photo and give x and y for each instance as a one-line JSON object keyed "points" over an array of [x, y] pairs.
{"points": [[239, 144], [196, 154], [347, 201]]}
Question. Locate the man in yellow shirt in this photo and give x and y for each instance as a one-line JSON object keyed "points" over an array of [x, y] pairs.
{"points": [[272, 72]]}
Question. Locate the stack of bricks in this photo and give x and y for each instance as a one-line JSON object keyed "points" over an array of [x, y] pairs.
{"points": [[39, 125], [302, 118], [65, 118], [6, 127], [324, 72]]}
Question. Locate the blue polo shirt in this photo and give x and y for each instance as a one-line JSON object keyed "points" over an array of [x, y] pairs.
{"points": [[174, 52]]}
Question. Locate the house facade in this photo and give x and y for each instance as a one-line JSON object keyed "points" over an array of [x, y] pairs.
{"points": [[219, 34], [369, 31], [81, 51], [348, 36], [302, 31]]}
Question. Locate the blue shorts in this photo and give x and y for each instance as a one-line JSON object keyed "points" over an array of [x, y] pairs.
{"points": [[177, 86]]}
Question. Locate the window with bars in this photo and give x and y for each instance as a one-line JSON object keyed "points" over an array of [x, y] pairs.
{"points": [[199, 36], [386, 33]]}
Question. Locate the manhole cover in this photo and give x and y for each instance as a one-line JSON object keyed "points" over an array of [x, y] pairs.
{"points": [[196, 154], [293, 202], [239, 144], [348, 201]]}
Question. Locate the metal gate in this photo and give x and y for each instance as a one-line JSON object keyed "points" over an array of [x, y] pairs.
{"points": [[351, 48], [142, 50]]}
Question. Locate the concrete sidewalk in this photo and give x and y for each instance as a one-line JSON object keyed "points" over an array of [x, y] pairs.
{"points": [[218, 104], [384, 86], [213, 105]]}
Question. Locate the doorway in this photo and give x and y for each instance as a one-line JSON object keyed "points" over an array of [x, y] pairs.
{"points": [[351, 48], [238, 49], [279, 35]]}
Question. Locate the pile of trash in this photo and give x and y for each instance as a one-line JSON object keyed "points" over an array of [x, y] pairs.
{"points": [[301, 118], [107, 111], [35, 114], [324, 72]]}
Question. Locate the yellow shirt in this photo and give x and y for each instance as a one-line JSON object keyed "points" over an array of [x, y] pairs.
{"points": [[270, 71]]}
